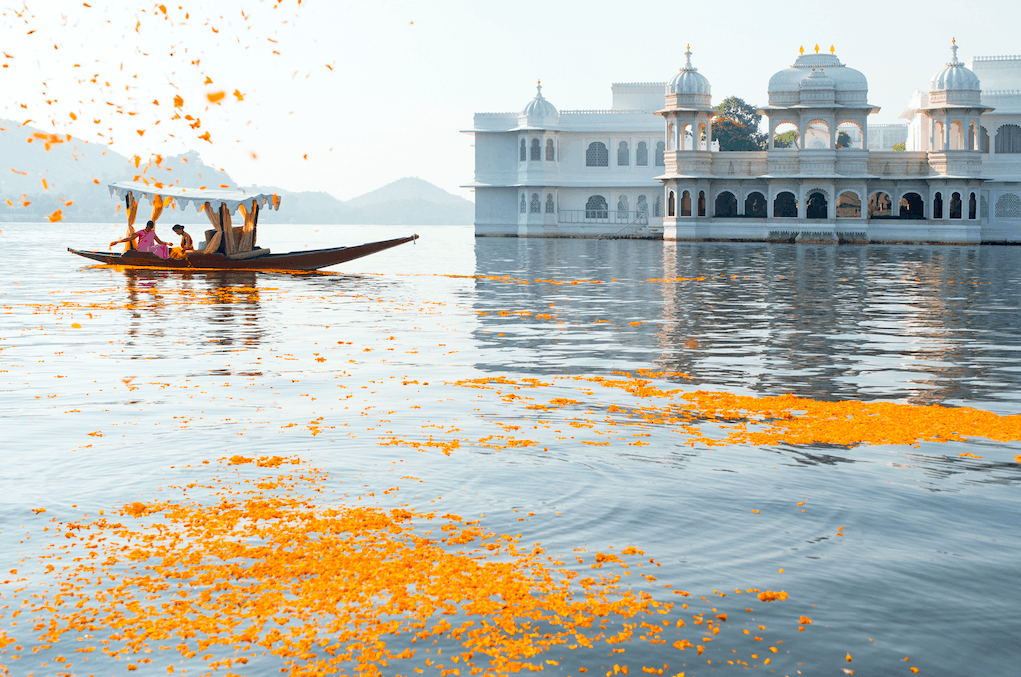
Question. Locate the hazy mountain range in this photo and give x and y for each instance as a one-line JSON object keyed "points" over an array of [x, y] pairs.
{"points": [[52, 172]]}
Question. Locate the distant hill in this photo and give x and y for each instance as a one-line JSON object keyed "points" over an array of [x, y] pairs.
{"points": [[70, 168]]}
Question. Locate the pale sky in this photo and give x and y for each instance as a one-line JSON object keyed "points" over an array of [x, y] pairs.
{"points": [[408, 76]]}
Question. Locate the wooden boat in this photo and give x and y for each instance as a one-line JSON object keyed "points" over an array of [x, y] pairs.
{"points": [[227, 247]]}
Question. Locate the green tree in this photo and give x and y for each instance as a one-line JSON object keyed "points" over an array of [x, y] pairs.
{"points": [[737, 128], [786, 140], [843, 139], [900, 146]]}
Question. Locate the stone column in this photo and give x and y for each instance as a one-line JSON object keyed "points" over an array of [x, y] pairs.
{"points": [[708, 140]]}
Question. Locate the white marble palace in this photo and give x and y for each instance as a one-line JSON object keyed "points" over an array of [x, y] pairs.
{"points": [[649, 166]]}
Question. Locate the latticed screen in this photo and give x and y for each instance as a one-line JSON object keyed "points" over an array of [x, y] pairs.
{"points": [[522, 200], [596, 207], [660, 148], [642, 155], [549, 203], [1008, 206], [536, 153], [597, 155], [623, 154], [549, 150], [534, 207], [523, 151]]}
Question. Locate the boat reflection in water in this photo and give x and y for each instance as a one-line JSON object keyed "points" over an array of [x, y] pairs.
{"points": [[216, 310]]}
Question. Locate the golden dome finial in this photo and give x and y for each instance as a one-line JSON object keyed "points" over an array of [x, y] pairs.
{"points": [[954, 41], [802, 50], [817, 48], [833, 50]]}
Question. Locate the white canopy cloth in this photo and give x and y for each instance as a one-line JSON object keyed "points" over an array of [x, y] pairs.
{"points": [[182, 197]]}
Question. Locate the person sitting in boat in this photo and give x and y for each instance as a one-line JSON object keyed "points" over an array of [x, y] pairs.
{"points": [[186, 244], [148, 241]]}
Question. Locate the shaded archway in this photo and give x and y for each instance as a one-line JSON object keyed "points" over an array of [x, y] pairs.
{"points": [[972, 207], [685, 203], [755, 205], [785, 205], [670, 204], [848, 206], [726, 204], [937, 206], [816, 207], [912, 206], [880, 206], [956, 206], [701, 203]]}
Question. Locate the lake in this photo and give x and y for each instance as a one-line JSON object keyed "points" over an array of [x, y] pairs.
{"points": [[598, 422]]}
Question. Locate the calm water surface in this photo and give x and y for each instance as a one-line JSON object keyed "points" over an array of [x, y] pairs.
{"points": [[175, 368]]}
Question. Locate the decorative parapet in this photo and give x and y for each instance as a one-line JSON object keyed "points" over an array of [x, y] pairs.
{"points": [[1005, 57], [608, 111], [898, 163]]}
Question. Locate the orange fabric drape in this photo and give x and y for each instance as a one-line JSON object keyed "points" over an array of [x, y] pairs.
{"points": [[247, 242], [132, 211], [213, 243], [157, 207]]}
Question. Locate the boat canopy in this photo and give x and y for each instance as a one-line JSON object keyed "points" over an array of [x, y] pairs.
{"points": [[183, 197], [217, 205]]}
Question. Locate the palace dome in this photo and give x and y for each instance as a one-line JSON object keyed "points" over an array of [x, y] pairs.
{"points": [[850, 85], [539, 106], [689, 88], [955, 83]]}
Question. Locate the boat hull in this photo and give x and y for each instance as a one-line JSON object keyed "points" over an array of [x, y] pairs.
{"points": [[315, 259]]}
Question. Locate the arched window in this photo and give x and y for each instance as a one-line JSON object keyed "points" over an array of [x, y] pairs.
{"points": [[657, 208], [524, 151], [701, 203], [660, 148], [536, 151], [596, 207], [597, 155], [983, 140], [623, 154], [685, 203], [522, 199], [642, 155], [937, 206], [912, 206], [880, 206], [848, 206], [550, 153], [622, 208], [549, 203], [726, 204], [983, 206], [956, 206], [670, 204], [755, 205], [535, 207], [972, 207], [1008, 206], [670, 131], [785, 205], [1008, 139], [816, 206], [642, 207]]}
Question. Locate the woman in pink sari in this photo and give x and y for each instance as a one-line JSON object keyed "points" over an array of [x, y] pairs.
{"points": [[148, 241]]}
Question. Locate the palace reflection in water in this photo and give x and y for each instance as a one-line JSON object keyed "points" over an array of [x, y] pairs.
{"points": [[921, 324]]}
